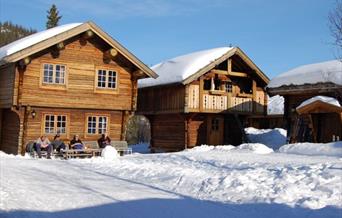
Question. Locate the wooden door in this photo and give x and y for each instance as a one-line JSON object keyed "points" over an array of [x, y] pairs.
{"points": [[215, 128]]}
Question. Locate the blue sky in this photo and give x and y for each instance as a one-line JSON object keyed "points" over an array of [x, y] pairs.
{"points": [[276, 34]]}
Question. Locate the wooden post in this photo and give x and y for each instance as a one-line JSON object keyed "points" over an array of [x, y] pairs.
{"points": [[201, 94], [229, 65], [254, 90], [134, 95]]}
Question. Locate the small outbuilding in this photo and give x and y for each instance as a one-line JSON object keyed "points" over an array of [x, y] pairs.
{"points": [[313, 98]]}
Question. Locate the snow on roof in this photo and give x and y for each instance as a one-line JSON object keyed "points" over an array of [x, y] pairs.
{"points": [[33, 39], [179, 68], [329, 71], [325, 99]]}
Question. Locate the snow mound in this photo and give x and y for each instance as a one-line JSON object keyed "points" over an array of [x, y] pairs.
{"points": [[313, 149], [177, 69], [275, 105], [206, 148], [256, 148], [109, 153], [325, 99], [329, 71], [273, 138], [33, 39]]}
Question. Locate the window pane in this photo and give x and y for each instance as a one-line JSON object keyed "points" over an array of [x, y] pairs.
{"points": [[111, 79], [101, 78], [102, 125], [48, 73], [60, 73], [61, 124], [91, 125], [49, 124]]}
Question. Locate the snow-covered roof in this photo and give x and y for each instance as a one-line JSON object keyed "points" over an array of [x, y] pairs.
{"points": [[329, 71], [33, 39], [177, 69], [325, 99]]}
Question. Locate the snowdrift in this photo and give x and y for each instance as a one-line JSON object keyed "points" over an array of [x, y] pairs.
{"points": [[328, 149], [273, 138]]}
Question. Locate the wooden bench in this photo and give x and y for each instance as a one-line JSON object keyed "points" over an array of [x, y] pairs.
{"points": [[92, 149]]}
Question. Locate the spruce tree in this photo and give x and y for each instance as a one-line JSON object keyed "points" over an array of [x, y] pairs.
{"points": [[53, 17]]}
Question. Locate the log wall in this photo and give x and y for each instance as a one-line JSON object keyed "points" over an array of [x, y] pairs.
{"points": [[167, 132], [81, 61], [9, 132], [76, 124], [7, 76]]}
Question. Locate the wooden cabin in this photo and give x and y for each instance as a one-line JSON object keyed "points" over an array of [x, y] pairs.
{"points": [[71, 79], [202, 98], [317, 121]]}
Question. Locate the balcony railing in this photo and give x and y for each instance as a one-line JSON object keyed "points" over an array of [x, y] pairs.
{"points": [[222, 102]]}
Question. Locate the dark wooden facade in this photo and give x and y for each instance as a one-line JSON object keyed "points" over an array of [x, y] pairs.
{"points": [[26, 101], [210, 108], [316, 126]]}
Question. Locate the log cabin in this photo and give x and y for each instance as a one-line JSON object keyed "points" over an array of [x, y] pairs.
{"points": [[71, 79], [313, 99], [202, 98]]}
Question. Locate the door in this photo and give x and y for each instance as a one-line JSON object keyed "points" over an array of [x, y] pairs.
{"points": [[215, 127]]}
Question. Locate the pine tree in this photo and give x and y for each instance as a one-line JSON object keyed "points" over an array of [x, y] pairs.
{"points": [[53, 17], [10, 32]]}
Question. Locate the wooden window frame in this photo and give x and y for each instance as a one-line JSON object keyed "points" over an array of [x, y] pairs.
{"points": [[106, 89], [55, 114], [53, 85], [87, 115]]}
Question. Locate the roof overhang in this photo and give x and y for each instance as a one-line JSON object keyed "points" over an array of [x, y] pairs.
{"points": [[71, 33], [305, 88], [230, 53], [319, 107]]}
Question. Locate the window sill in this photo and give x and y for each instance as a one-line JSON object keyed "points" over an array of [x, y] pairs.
{"points": [[106, 91], [217, 92], [53, 86]]}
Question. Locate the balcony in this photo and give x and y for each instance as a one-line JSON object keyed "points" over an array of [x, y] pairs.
{"points": [[219, 101]]}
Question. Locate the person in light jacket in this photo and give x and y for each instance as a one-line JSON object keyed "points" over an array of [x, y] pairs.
{"points": [[43, 143]]}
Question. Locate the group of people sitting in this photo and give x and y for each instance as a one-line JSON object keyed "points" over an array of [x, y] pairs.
{"points": [[44, 144]]}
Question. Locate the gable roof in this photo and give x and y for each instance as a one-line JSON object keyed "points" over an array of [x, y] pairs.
{"points": [[39, 41], [187, 68], [323, 72], [319, 104]]}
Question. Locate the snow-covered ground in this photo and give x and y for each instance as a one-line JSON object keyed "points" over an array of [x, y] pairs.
{"points": [[207, 181]]}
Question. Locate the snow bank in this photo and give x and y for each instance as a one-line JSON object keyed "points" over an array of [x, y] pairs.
{"points": [[328, 149], [325, 99], [211, 183], [256, 148], [109, 153], [33, 39], [275, 105], [273, 138], [329, 71], [177, 69]]}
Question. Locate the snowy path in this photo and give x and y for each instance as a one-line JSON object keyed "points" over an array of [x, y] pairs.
{"points": [[204, 182]]}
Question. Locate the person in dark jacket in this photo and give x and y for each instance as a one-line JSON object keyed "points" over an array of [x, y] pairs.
{"points": [[58, 143], [103, 141], [76, 143]]}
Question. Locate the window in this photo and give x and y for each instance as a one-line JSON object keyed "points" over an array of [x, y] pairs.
{"points": [[106, 79], [55, 124], [229, 87], [97, 124], [215, 124], [54, 74]]}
